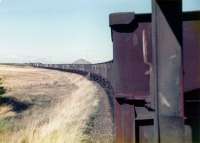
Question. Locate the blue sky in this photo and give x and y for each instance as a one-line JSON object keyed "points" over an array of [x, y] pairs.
{"points": [[62, 31]]}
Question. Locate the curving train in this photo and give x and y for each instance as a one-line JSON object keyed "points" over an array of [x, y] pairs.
{"points": [[154, 76]]}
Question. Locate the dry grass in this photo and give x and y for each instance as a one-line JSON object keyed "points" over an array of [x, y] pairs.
{"points": [[60, 116]]}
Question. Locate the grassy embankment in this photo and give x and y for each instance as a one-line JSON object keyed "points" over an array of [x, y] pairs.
{"points": [[64, 121], [4, 125], [45, 106]]}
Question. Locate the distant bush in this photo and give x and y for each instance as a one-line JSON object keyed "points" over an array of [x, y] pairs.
{"points": [[2, 89]]}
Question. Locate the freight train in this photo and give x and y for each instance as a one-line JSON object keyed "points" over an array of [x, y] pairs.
{"points": [[146, 109]]}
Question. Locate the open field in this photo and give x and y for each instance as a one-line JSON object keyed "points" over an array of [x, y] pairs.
{"points": [[46, 106]]}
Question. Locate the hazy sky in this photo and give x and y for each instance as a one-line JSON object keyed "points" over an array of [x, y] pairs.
{"points": [[61, 31]]}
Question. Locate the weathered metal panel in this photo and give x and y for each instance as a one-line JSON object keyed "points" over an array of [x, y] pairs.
{"points": [[125, 126], [191, 53], [167, 69], [128, 67], [130, 81]]}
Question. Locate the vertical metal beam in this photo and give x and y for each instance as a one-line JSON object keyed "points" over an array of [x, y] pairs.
{"points": [[125, 122], [130, 84], [167, 66]]}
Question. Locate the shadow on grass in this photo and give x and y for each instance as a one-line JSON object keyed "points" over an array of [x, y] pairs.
{"points": [[17, 106]]}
